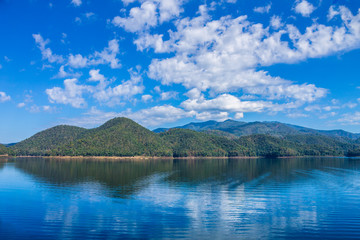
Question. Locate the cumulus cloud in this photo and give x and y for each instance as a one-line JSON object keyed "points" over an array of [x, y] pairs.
{"points": [[113, 95], [149, 14], [276, 22], [4, 97], [146, 98], [140, 18], [148, 117], [350, 119], [263, 9], [66, 74], [96, 76], [304, 8], [226, 103], [71, 94], [46, 53], [223, 56], [76, 3], [107, 56], [168, 95]]}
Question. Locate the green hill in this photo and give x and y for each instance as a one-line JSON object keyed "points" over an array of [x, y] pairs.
{"points": [[3, 150], [269, 128], [124, 137], [44, 142], [189, 143], [117, 137]]}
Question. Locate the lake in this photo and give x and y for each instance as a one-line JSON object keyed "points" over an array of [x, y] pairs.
{"points": [[297, 198]]}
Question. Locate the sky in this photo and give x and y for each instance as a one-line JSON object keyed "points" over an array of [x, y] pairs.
{"points": [[165, 63]]}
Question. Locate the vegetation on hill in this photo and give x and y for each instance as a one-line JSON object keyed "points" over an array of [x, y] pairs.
{"points": [[269, 128], [124, 137], [117, 137], [189, 143], [3, 150], [44, 142]]}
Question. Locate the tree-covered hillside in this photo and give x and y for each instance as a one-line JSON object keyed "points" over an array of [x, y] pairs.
{"points": [[3, 150], [117, 137], [189, 143], [124, 137], [269, 128], [44, 142]]}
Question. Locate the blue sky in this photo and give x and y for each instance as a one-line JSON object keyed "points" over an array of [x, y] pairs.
{"points": [[168, 62]]}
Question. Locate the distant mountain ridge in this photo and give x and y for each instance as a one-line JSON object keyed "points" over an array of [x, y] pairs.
{"points": [[126, 138], [239, 129]]}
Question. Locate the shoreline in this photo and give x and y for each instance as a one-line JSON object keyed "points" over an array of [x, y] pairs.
{"points": [[159, 158], [127, 158]]}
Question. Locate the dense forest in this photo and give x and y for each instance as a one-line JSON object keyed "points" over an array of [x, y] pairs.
{"points": [[3, 150], [124, 137]]}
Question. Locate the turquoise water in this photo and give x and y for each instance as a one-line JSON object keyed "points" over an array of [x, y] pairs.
{"points": [[297, 198]]}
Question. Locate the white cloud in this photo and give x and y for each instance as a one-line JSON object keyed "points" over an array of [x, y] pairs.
{"points": [[158, 115], [113, 95], [64, 74], [226, 103], [72, 93], [96, 76], [76, 3], [103, 92], [169, 9], [149, 14], [4, 97], [77, 61], [332, 13], [21, 105], [169, 95], [89, 15], [263, 9], [224, 55], [350, 119], [194, 93], [220, 116], [154, 116], [46, 52], [107, 56], [276, 22], [140, 18], [297, 115], [146, 98], [304, 8]]}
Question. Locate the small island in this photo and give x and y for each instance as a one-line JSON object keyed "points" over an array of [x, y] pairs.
{"points": [[122, 137]]}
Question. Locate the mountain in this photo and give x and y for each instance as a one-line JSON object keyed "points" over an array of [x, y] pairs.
{"points": [[44, 142], [117, 137], [295, 145], [124, 137], [3, 149], [239, 129], [189, 143]]}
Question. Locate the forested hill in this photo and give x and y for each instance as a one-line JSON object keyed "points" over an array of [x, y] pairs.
{"points": [[124, 137], [117, 137], [3, 149], [239, 129]]}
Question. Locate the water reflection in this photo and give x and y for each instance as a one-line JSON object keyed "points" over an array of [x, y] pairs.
{"points": [[313, 198]]}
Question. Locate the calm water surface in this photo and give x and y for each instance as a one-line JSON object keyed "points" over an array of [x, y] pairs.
{"points": [[305, 198]]}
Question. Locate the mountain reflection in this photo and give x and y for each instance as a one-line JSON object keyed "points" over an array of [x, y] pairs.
{"points": [[125, 177]]}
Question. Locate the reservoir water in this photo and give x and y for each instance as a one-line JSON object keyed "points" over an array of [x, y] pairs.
{"points": [[297, 198]]}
